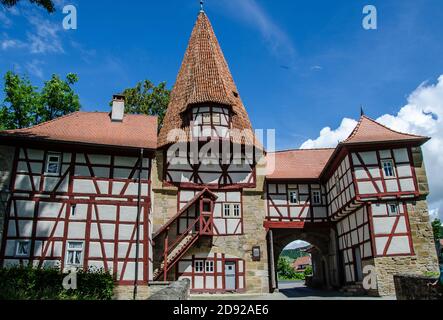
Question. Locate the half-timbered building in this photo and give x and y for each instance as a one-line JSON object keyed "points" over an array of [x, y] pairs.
{"points": [[78, 188], [204, 201]]}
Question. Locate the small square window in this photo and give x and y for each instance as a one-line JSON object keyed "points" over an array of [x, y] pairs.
{"points": [[316, 197], [293, 196], [209, 266], [198, 266], [226, 210], [74, 253], [393, 209], [23, 248], [53, 163], [388, 168]]}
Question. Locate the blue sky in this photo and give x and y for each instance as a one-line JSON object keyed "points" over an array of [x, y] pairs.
{"points": [[300, 65]]}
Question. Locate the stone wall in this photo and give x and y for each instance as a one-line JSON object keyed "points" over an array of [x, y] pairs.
{"points": [[417, 288], [126, 292], [6, 162], [178, 290]]}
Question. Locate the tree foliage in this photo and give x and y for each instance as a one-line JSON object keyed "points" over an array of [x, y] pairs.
{"points": [[24, 106], [21, 102], [58, 98], [437, 228], [47, 4], [147, 98]]}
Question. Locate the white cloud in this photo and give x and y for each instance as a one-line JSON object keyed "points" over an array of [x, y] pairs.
{"points": [[34, 67], [330, 138], [45, 37], [249, 11], [423, 115]]}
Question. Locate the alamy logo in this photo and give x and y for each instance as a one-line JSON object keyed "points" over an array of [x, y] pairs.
{"points": [[70, 21], [370, 19], [70, 280], [370, 279]]}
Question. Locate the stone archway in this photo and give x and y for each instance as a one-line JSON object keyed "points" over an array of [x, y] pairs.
{"points": [[323, 253]]}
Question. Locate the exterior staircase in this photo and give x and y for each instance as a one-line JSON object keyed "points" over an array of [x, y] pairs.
{"points": [[176, 253], [176, 246]]}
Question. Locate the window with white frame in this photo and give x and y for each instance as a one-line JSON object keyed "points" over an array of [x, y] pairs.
{"points": [[74, 253], [316, 197], [231, 210], [209, 266], [226, 210], [293, 196], [23, 248], [198, 266], [393, 209], [206, 118], [236, 207], [53, 163], [388, 168], [216, 119]]}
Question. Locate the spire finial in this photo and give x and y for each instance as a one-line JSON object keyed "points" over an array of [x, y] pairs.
{"points": [[362, 112], [201, 6]]}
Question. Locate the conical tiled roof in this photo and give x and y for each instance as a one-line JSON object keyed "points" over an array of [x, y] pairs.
{"points": [[370, 131], [204, 77]]}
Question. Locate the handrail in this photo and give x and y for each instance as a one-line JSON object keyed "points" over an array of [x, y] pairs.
{"points": [[182, 236]]}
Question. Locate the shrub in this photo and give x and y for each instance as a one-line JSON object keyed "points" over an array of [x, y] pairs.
{"points": [[27, 283]]}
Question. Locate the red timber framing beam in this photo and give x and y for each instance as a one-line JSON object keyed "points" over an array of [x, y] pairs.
{"points": [[306, 207], [225, 181]]}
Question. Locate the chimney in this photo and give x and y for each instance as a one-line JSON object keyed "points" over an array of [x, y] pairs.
{"points": [[118, 108]]}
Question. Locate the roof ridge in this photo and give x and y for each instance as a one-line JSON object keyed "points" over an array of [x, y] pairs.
{"points": [[296, 150], [395, 131], [46, 122], [354, 132]]}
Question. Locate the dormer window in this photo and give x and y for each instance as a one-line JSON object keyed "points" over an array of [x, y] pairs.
{"points": [[211, 121]]}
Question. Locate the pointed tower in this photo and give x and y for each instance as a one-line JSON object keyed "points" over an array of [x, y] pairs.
{"points": [[208, 182], [204, 81]]}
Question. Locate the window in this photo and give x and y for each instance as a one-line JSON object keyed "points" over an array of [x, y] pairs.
{"points": [[74, 253], [316, 197], [23, 248], [216, 119], [293, 196], [226, 210], [206, 118], [53, 164], [388, 168], [206, 206], [236, 210], [393, 209], [209, 266], [198, 266]]}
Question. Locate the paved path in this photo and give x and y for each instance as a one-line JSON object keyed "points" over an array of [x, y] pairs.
{"points": [[289, 290]]}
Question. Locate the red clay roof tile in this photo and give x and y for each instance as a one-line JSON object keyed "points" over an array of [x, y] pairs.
{"points": [[368, 130], [204, 77], [297, 164], [96, 128]]}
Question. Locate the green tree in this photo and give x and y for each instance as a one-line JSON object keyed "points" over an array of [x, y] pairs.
{"points": [[58, 98], [21, 102], [47, 4], [284, 269], [308, 271], [436, 227], [147, 98]]}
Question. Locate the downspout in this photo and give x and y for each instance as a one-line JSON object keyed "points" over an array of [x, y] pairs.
{"points": [[137, 245]]}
